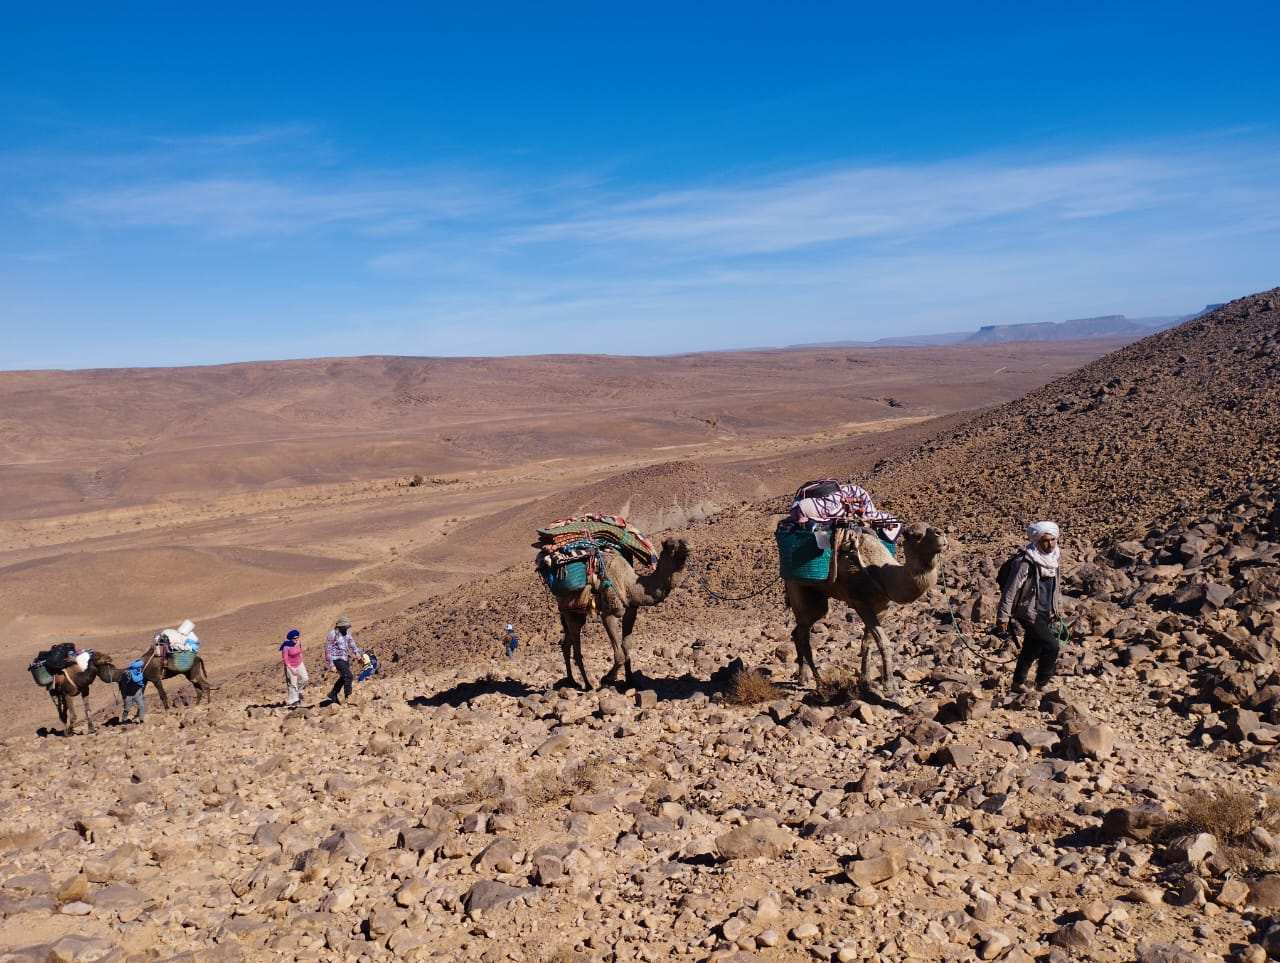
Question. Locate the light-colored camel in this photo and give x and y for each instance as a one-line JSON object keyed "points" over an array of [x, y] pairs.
{"points": [[618, 596], [868, 580], [155, 669], [73, 681]]}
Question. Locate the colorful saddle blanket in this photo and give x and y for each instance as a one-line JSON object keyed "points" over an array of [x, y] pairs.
{"points": [[569, 539]]}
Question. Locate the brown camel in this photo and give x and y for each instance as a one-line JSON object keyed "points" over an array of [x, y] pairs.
{"points": [[73, 681], [618, 596], [868, 580], [155, 668]]}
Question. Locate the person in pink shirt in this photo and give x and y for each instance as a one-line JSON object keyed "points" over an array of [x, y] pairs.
{"points": [[295, 673]]}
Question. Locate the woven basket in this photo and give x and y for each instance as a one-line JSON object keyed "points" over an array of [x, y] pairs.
{"points": [[799, 556], [180, 661], [41, 674], [570, 577]]}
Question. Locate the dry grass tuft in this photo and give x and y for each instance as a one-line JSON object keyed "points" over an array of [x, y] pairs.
{"points": [[559, 954], [588, 775], [1230, 815], [750, 687], [545, 786], [1226, 813], [837, 687], [473, 790]]}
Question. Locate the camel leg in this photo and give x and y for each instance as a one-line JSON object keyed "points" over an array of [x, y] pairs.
{"points": [[807, 608], [613, 629], [886, 661], [60, 704], [577, 657], [88, 716], [867, 639], [628, 626], [200, 680], [164, 698], [875, 639], [69, 702], [572, 624]]}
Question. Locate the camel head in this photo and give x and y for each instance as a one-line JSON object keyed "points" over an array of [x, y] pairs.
{"points": [[100, 663], [675, 551], [923, 542]]}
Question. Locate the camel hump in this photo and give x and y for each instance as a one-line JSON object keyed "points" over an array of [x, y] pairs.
{"points": [[870, 551]]}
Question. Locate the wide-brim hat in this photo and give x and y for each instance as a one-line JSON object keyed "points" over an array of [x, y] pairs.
{"points": [[342, 623]]}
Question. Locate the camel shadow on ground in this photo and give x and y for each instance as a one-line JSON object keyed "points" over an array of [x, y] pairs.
{"points": [[667, 690], [464, 692]]}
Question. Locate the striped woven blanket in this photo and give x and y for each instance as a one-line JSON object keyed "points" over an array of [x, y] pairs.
{"points": [[573, 535]]}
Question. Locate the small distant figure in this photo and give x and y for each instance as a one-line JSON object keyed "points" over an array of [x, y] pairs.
{"points": [[295, 672], [1032, 597], [370, 661], [132, 685], [339, 649], [510, 642]]}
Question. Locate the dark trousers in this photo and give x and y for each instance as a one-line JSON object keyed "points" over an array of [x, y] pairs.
{"points": [[1039, 646], [344, 680]]}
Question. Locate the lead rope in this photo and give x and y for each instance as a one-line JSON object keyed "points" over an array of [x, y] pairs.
{"points": [[955, 623], [702, 580]]}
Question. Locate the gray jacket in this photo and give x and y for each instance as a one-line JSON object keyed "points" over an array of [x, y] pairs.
{"points": [[1019, 596]]}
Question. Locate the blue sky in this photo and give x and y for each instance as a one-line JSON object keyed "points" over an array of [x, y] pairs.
{"points": [[184, 185]]}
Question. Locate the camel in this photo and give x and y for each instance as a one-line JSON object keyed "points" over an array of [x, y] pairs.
{"points": [[156, 667], [868, 580], [73, 681], [617, 596]]}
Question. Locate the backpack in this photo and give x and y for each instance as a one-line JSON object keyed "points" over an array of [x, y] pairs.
{"points": [[1005, 572], [58, 657], [135, 671]]}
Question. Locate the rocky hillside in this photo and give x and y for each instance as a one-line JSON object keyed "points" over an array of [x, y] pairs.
{"points": [[464, 808], [1181, 420]]}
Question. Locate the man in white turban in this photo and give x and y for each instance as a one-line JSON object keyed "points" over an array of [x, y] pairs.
{"points": [[1032, 596]]}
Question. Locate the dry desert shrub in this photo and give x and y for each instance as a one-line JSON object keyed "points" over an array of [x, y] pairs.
{"points": [[559, 954], [749, 687], [473, 789], [588, 775], [1231, 816], [548, 785], [1226, 813], [545, 786], [837, 687]]}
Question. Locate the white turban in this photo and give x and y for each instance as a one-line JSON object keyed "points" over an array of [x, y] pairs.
{"points": [[1048, 561], [1038, 530]]}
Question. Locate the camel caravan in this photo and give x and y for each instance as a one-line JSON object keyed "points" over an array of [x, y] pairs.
{"points": [[65, 672], [832, 544]]}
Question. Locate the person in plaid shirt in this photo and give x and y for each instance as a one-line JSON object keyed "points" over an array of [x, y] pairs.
{"points": [[339, 649]]}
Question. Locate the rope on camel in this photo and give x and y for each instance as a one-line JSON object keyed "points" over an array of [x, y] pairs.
{"points": [[955, 623], [702, 580]]}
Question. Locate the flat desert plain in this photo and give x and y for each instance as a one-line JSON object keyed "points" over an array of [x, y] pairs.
{"points": [[257, 497]]}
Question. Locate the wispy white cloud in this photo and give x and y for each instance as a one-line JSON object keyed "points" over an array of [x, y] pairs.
{"points": [[894, 204], [473, 259], [239, 207]]}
